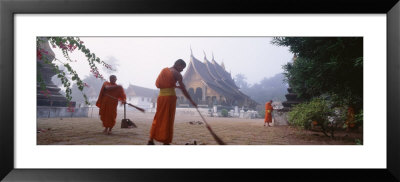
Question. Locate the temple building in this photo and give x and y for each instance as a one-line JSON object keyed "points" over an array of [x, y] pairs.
{"points": [[142, 97], [209, 84]]}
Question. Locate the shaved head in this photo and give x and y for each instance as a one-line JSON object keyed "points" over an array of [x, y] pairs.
{"points": [[113, 79], [180, 62], [179, 65]]}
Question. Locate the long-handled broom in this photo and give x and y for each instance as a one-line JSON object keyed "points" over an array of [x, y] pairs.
{"points": [[127, 123], [216, 138], [136, 107]]}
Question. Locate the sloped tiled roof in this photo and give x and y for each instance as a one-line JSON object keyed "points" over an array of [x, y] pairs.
{"points": [[226, 77], [201, 69], [134, 90], [218, 79], [214, 76]]}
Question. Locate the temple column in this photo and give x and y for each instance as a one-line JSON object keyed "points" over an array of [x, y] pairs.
{"points": [[204, 94]]}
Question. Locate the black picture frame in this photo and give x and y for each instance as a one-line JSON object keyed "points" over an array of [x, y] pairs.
{"points": [[10, 8]]}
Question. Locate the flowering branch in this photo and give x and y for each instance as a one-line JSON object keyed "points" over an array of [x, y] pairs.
{"points": [[68, 45]]}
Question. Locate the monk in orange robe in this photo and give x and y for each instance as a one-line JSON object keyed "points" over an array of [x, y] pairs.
{"points": [[350, 118], [268, 112], [107, 102], [163, 123]]}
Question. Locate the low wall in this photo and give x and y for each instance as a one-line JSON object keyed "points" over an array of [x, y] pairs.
{"points": [[56, 112], [192, 111], [280, 117]]}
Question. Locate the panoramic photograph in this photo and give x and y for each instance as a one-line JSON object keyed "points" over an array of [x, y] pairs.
{"points": [[199, 91]]}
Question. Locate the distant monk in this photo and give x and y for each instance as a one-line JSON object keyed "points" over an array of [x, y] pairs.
{"points": [[268, 112], [107, 103], [163, 123], [350, 118]]}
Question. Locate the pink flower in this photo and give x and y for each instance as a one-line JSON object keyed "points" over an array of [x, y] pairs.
{"points": [[39, 55], [71, 109], [45, 93]]}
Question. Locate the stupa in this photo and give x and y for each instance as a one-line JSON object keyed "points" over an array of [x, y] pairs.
{"points": [[51, 96], [281, 115], [50, 102], [291, 100]]}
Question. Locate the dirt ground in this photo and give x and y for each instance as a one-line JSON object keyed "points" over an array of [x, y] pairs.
{"points": [[233, 131]]}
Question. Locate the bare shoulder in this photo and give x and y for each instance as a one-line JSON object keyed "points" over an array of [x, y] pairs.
{"points": [[176, 74]]}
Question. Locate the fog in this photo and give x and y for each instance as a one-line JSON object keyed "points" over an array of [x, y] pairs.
{"points": [[139, 60]]}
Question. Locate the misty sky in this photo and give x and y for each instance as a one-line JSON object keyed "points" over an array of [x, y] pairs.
{"points": [[139, 60]]}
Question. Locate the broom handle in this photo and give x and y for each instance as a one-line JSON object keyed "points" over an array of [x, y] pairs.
{"points": [[204, 120], [219, 141], [140, 109], [112, 97]]}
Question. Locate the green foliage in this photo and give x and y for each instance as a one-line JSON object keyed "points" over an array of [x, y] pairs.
{"points": [[359, 118], [319, 110], [326, 65], [224, 113], [303, 114], [261, 113]]}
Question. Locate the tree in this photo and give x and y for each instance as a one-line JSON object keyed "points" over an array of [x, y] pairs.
{"points": [[94, 85], [326, 65], [240, 81], [67, 75], [267, 89]]}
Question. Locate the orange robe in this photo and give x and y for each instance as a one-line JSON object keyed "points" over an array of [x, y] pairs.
{"points": [[163, 122], [350, 117], [268, 112], [108, 106]]}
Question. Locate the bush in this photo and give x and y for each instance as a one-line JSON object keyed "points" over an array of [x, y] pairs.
{"points": [[224, 113], [261, 114], [317, 111], [359, 118]]}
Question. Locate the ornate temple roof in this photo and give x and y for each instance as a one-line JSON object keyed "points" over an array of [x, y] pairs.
{"points": [[214, 76]]}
